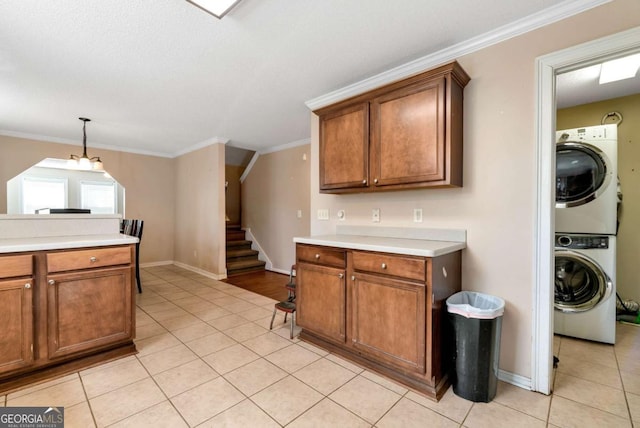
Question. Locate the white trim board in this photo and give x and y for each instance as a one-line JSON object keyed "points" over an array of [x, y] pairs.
{"points": [[547, 67]]}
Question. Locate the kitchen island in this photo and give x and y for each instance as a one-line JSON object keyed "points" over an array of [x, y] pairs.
{"points": [[66, 295], [377, 297]]}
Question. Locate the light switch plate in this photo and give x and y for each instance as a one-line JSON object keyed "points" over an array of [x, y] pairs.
{"points": [[417, 215], [323, 214]]}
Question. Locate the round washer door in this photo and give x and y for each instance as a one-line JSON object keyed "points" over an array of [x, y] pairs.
{"points": [[580, 283], [581, 173]]}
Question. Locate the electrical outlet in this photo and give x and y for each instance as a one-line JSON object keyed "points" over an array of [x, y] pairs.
{"points": [[323, 214], [375, 215], [417, 215]]}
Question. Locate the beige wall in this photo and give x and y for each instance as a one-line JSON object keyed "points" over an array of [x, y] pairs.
{"points": [[628, 241], [272, 193], [199, 210], [497, 203], [148, 182]]}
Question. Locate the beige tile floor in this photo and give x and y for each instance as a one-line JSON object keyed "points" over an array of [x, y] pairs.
{"points": [[207, 359]]}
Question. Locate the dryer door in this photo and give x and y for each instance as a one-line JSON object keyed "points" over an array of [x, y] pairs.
{"points": [[581, 173], [580, 283]]}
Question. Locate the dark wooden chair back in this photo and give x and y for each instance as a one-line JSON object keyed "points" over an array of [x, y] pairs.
{"points": [[133, 227]]}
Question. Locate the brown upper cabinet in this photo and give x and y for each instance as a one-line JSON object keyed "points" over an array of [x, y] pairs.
{"points": [[404, 135]]}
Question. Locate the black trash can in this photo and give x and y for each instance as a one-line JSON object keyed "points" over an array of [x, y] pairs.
{"points": [[477, 323]]}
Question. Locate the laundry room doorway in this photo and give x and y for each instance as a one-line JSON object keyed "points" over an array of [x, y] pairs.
{"points": [[548, 68]]}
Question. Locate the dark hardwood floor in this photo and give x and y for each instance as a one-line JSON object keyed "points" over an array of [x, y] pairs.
{"points": [[266, 283]]}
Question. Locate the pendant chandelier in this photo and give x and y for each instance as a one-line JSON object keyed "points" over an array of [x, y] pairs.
{"points": [[85, 162]]}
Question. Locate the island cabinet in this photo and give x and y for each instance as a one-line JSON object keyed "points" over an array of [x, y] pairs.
{"points": [[384, 311], [405, 135], [16, 312], [62, 310], [88, 304]]}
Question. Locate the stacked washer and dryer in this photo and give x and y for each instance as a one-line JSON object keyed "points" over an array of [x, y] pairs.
{"points": [[585, 239]]}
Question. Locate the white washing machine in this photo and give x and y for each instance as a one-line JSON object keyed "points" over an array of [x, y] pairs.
{"points": [[585, 287], [586, 179]]}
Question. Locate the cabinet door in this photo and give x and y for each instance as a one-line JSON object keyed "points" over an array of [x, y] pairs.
{"points": [[408, 135], [388, 321], [320, 301], [344, 148], [16, 319], [89, 310]]}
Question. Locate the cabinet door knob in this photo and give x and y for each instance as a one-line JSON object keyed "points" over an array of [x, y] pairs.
{"points": [[375, 181], [93, 259], [52, 282], [27, 285], [364, 181], [353, 277], [317, 256], [383, 265], [341, 276]]}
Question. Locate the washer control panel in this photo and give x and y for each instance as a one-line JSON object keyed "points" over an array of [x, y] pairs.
{"points": [[581, 242]]}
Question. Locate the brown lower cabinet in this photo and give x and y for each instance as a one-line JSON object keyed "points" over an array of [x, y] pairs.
{"points": [[64, 310], [384, 311]]}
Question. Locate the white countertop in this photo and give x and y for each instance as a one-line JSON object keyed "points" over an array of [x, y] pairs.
{"points": [[413, 247], [15, 245]]}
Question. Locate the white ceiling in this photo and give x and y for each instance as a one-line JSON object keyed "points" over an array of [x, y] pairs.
{"points": [[162, 77]]}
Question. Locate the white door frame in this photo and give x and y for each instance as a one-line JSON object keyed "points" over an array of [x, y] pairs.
{"points": [[547, 67]]}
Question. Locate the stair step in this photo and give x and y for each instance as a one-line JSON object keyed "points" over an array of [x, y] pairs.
{"points": [[244, 266], [235, 235], [242, 252], [241, 243]]}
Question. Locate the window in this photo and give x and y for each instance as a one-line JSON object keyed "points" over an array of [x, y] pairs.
{"points": [[38, 192], [98, 196]]}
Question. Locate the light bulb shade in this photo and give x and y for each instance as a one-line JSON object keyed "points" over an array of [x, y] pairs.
{"points": [[97, 165], [217, 8], [84, 163]]}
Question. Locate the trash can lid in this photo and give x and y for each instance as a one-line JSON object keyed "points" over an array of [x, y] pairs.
{"points": [[471, 304]]}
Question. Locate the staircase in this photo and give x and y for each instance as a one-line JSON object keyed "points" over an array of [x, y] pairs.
{"points": [[240, 257]]}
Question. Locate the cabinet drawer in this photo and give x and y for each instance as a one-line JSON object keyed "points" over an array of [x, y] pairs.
{"points": [[321, 255], [388, 264], [14, 266], [88, 259]]}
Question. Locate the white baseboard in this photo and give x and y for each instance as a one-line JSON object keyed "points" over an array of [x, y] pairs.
{"points": [[255, 245], [200, 271], [286, 272], [152, 264], [514, 379]]}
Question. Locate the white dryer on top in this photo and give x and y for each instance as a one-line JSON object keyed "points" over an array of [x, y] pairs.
{"points": [[586, 180]]}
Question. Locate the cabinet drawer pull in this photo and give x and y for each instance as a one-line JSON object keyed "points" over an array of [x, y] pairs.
{"points": [[341, 276], [353, 277], [364, 181], [52, 282], [93, 259], [375, 181], [383, 265], [27, 285], [317, 256]]}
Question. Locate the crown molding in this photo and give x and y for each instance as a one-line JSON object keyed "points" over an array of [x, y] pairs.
{"points": [[56, 140], [286, 146], [532, 22], [201, 145]]}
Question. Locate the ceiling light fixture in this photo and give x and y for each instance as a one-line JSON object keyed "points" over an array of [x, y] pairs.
{"points": [[84, 161], [217, 8], [619, 69]]}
